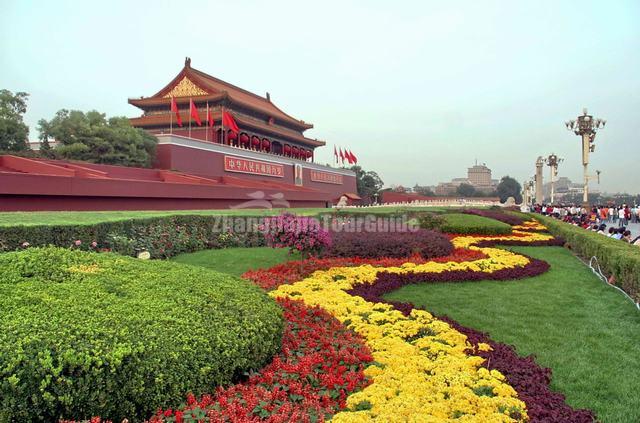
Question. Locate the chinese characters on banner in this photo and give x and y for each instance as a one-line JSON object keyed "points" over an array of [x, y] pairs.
{"points": [[256, 167], [326, 177]]}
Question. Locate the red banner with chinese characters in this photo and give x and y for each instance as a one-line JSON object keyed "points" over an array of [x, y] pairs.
{"points": [[255, 167], [326, 177]]}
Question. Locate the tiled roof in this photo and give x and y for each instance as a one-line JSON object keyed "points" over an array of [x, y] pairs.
{"points": [[214, 87]]}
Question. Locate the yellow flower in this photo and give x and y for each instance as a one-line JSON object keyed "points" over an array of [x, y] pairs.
{"points": [[422, 372]]}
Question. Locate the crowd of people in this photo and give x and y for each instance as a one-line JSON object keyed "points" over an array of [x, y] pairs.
{"points": [[611, 221]]}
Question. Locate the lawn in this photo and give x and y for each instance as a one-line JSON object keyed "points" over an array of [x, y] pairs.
{"points": [[236, 261], [93, 217], [460, 223], [586, 332]]}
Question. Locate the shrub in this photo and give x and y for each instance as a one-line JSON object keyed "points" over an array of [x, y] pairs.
{"points": [[508, 218], [459, 223], [163, 237], [617, 258], [425, 243], [84, 334], [430, 220], [298, 233]]}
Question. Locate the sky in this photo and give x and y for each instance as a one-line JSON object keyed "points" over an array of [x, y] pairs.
{"points": [[418, 90]]}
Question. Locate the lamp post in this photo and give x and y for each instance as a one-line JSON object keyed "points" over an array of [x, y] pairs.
{"points": [[538, 179], [553, 161], [586, 126]]}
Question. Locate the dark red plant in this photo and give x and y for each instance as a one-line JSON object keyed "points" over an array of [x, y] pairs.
{"points": [[425, 243]]}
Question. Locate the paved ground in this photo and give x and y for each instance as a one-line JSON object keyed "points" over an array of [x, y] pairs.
{"points": [[633, 227]]}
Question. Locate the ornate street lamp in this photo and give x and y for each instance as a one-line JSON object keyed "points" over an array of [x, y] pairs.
{"points": [[538, 179], [586, 126], [553, 161]]}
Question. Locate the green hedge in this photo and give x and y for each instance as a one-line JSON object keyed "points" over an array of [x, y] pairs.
{"points": [[617, 258], [163, 237], [85, 334], [458, 223]]}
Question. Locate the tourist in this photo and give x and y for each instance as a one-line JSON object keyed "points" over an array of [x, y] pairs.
{"points": [[604, 214], [621, 217], [611, 211], [626, 236]]}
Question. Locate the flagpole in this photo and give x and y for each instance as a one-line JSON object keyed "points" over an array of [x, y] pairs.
{"points": [[222, 137], [171, 117], [206, 135], [190, 117]]}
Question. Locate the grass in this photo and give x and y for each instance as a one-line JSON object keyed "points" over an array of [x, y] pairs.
{"points": [[236, 261], [460, 223], [586, 332], [93, 217]]}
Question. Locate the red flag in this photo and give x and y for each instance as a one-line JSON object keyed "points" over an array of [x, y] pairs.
{"points": [[209, 118], [353, 156], [174, 109], [229, 122], [335, 153], [194, 113], [349, 156], [341, 156]]}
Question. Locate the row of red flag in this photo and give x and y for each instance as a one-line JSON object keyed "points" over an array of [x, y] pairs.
{"points": [[227, 119], [342, 156]]}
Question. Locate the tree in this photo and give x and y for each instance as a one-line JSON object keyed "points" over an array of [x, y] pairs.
{"points": [[466, 190], [368, 183], [509, 187], [14, 133], [422, 190], [92, 137]]}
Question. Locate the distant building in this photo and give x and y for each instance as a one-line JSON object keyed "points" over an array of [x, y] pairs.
{"points": [[35, 145], [564, 187], [478, 176]]}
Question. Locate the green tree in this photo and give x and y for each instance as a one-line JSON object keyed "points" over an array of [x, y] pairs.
{"points": [[509, 187], [368, 183], [422, 190], [92, 137], [14, 133], [466, 190]]}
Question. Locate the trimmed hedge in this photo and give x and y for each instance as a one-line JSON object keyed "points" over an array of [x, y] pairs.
{"points": [[459, 223], [163, 237], [85, 334], [425, 243], [617, 258], [498, 215]]}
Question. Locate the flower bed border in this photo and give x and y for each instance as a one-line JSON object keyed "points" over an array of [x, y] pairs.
{"points": [[530, 380]]}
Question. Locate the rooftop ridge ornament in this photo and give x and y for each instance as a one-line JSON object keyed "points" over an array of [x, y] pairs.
{"points": [[187, 62]]}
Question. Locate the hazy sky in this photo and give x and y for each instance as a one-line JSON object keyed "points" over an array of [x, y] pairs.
{"points": [[417, 89]]}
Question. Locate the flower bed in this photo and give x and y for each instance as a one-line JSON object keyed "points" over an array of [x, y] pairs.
{"points": [[293, 271], [350, 356], [501, 216], [425, 243], [321, 363], [468, 375]]}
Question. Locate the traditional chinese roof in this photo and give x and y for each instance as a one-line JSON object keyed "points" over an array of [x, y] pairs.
{"points": [[161, 120], [192, 83]]}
